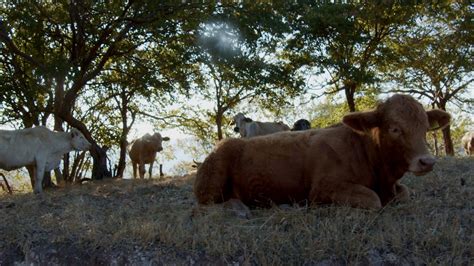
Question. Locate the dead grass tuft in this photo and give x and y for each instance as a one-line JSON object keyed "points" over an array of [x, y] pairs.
{"points": [[145, 221]]}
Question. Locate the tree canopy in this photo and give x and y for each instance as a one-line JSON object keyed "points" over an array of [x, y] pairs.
{"points": [[101, 65]]}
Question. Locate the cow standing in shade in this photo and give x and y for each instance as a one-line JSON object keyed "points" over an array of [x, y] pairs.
{"points": [[249, 128], [358, 163], [468, 142], [143, 151], [38, 148]]}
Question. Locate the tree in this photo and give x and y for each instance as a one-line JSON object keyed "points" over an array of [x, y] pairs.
{"points": [[238, 62], [433, 60], [345, 40], [77, 41]]}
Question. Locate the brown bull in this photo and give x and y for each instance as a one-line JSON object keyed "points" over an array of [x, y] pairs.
{"points": [[143, 151], [358, 163]]}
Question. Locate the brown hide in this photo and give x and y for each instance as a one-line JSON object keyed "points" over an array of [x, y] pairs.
{"points": [[357, 163]]}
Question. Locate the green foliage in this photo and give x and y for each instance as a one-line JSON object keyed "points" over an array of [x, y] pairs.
{"points": [[332, 108]]}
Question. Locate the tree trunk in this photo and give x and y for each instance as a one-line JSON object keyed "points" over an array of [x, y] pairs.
{"points": [[99, 155], [124, 108], [435, 138], [122, 159], [448, 142], [99, 163], [219, 116], [58, 126], [123, 145], [350, 89]]}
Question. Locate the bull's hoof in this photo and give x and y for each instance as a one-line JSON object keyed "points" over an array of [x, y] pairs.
{"points": [[238, 208]]}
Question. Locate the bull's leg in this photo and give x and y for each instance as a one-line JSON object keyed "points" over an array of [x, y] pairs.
{"points": [[134, 165], [39, 172], [402, 193], [141, 170], [350, 194], [31, 172], [161, 170], [238, 207], [149, 169]]}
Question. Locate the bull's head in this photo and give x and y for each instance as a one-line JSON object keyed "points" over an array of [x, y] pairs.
{"points": [[239, 120], [155, 141], [399, 127], [78, 141]]}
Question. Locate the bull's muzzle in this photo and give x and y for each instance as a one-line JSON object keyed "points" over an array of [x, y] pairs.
{"points": [[423, 165]]}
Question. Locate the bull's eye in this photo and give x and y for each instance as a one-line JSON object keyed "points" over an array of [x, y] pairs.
{"points": [[395, 131]]}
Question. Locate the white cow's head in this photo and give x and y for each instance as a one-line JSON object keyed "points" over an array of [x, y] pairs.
{"points": [[239, 122], [78, 141], [155, 141]]}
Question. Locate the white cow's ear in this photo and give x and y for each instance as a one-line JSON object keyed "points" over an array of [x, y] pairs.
{"points": [[166, 138], [438, 119], [361, 121]]}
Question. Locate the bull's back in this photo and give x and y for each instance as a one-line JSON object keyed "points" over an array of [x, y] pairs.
{"points": [[264, 128], [140, 152], [21, 147], [271, 169]]}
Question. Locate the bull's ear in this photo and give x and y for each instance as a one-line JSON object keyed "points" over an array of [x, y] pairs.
{"points": [[361, 121], [438, 119], [166, 138], [74, 132]]}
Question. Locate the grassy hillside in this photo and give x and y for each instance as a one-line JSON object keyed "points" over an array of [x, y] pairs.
{"points": [[146, 221]]}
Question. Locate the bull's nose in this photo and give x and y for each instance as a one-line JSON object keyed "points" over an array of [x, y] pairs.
{"points": [[236, 129], [426, 163]]}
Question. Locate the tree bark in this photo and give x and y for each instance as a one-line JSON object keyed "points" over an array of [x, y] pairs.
{"points": [[99, 155], [350, 89], [448, 142], [435, 138], [219, 116]]}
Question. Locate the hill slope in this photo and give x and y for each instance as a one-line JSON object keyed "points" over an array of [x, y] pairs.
{"points": [[150, 221]]}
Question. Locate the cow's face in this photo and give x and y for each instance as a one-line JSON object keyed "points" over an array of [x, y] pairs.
{"points": [[239, 122], [156, 141], [399, 127], [78, 141]]}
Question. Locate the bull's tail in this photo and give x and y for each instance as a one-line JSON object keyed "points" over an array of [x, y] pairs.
{"points": [[213, 182]]}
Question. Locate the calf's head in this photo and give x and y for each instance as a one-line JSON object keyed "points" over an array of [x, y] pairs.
{"points": [[78, 141], [398, 126]]}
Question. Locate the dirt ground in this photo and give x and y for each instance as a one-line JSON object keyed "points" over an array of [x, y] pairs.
{"points": [[148, 222]]}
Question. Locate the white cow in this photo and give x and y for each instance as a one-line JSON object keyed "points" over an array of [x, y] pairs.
{"points": [[143, 151], [468, 143], [39, 148], [249, 128]]}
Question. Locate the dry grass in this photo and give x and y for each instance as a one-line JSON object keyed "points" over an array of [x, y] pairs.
{"points": [[144, 221]]}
